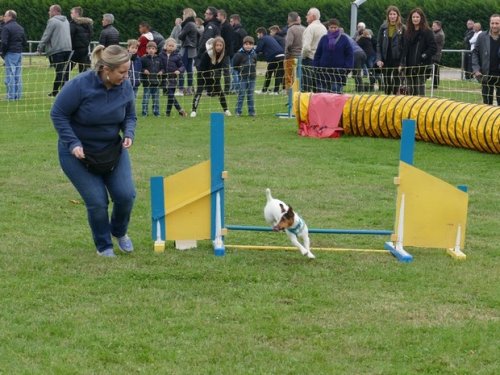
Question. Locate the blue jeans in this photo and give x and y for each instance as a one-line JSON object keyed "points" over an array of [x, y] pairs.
{"points": [[331, 79], [94, 190], [154, 93], [188, 65], [13, 79], [235, 79], [247, 87]]}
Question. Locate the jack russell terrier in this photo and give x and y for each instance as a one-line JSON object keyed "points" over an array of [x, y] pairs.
{"points": [[282, 217]]}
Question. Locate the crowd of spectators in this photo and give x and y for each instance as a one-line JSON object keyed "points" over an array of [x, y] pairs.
{"points": [[397, 58]]}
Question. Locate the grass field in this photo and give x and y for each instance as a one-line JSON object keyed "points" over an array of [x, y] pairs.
{"points": [[66, 311]]}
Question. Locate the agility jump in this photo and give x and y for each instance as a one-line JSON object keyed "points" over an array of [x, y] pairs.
{"points": [[189, 206]]}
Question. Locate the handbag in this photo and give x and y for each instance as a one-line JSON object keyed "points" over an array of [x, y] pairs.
{"points": [[403, 87], [104, 161]]}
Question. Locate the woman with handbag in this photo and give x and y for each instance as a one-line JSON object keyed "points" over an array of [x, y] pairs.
{"points": [[419, 48], [390, 48], [89, 114]]}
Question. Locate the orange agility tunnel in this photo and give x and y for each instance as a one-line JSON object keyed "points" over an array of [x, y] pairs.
{"points": [[441, 121]]}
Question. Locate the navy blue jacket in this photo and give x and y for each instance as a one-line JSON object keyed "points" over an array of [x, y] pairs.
{"points": [[341, 56], [134, 72], [86, 113], [169, 64], [151, 64], [270, 47], [245, 63], [13, 38]]}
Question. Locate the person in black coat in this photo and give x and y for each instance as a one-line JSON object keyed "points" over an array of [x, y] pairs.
{"points": [[227, 33], [211, 29], [419, 48], [81, 29], [109, 34], [189, 44], [239, 34], [209, 74], [467, 57], [390, 40]]}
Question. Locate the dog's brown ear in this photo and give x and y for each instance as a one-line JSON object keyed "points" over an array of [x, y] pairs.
{"points": [[282, 208], [290, 214]]}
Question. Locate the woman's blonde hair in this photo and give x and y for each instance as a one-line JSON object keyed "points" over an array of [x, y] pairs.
{"points": [[217, 57], [189, 12], [112, 56], [169, 40], [132, 42]]}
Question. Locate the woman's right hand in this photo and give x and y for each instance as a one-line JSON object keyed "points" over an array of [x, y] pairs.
{"points": [[78, 152], [380, 64]]}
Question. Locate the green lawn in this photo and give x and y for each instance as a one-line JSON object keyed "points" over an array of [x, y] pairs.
{"points": [[64, 310]]}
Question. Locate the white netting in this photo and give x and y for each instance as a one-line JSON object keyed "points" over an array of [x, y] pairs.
{"points": [[270, 97]]}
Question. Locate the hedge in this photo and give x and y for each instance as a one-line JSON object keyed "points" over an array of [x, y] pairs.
{"points": [[32, 14]]}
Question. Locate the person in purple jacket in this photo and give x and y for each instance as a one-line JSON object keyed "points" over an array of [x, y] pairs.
{"points": [[334, 58], [90, 114]]}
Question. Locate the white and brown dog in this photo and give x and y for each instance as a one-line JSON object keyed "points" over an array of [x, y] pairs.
{"points": [[283, 217]]}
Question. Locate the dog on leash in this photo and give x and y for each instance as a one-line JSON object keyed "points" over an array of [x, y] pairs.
{"points": [[282, 217]]}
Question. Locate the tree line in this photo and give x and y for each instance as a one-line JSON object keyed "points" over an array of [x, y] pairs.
{"points": [[32, 14]]}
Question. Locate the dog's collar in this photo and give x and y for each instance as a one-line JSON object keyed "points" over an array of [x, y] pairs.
{"points": [[297, 228]]}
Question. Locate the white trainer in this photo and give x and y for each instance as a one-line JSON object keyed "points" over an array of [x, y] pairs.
{"points": [[193, 114]]}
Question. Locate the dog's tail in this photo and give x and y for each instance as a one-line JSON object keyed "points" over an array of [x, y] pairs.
{"points": [[268, 194]]}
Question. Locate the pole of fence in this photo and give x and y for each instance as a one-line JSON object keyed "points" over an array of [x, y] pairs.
{"points": [[433, 79]]}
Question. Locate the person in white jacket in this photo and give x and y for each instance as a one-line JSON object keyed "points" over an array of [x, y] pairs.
{"points": [[477, 30], [310, 39]]}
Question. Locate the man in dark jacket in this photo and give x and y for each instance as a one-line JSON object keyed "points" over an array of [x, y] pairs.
{"points": [[486, 61], [211, 30], [437, 28], [13, 40], [467, 63], [227, 33], [109, 34], [2, 22], [81, 33], [274, 54], [239, 34]]}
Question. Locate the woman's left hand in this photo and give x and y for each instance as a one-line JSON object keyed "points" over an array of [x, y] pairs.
{"points": [[127, 142]]}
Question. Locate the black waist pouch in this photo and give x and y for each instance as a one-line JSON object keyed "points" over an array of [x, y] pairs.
{"points": [[104, 161]]}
